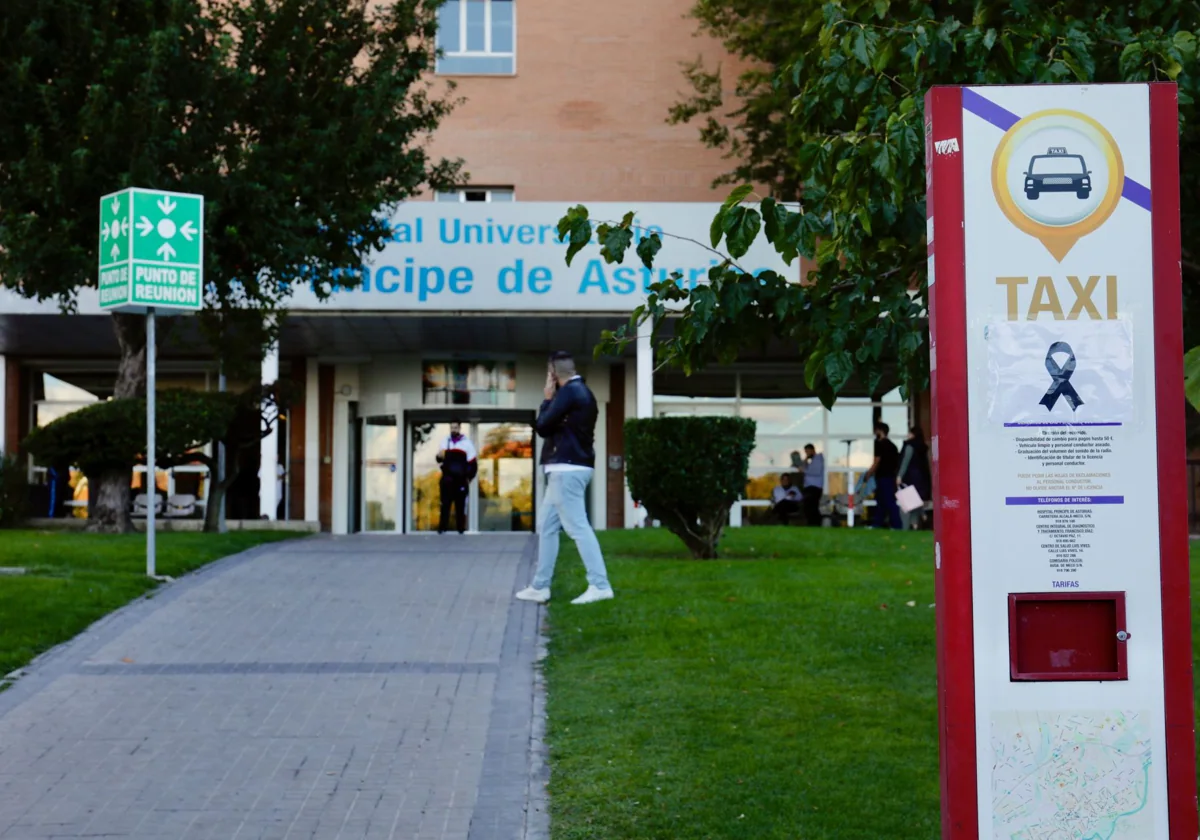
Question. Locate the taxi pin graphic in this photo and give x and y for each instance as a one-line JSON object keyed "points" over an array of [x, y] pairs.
{"points": [[1060, 376], [1054, 197]]}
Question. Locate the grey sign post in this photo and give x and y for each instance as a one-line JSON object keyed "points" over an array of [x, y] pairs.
{"points": [[151, 257]]}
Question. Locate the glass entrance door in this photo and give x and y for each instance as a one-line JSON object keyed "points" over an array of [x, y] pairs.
{"points": [[381, 475], [501, 497], [505, 485], [426, 492]]}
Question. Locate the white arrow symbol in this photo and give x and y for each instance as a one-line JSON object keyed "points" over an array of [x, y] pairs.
{"points": [[145, 226], [188, 231], [166, 205], [124, 227], [166, 251], [116, 206], [104, 232], [116, 251]]}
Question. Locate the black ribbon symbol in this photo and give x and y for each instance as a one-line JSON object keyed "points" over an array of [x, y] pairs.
{"points": [[1060, 375]]}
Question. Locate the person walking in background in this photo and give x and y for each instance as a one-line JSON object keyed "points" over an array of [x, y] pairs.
{"points": [[459, 466], [567, 423], [785, 499], [814, 484], [914, 471], [884, 470]]}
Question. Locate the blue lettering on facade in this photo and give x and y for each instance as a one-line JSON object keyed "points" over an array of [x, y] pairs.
{"points": [[382, 281]]}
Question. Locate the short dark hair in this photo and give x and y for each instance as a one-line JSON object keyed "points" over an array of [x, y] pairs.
{"points": [[456, 421], [810, 446], [883, 427], [561, 356]]}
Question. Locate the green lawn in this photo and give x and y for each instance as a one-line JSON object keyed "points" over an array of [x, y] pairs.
{"points": [[74, 579], [785, 691]]}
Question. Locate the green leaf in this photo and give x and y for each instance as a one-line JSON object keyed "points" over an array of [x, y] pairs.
{"points": [[839, 367], [717, 229], [574, 215], [813, 368], [1185, 42], [773, 217], [1131, 59], [648, 248], [860, 47], [737, 196], [883, 161], [580, 236], [741, 227], [1191, 376], [989, 39], [627, 221], [614, 242]]}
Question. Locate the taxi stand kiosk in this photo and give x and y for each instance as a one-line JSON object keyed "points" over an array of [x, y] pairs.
{"points": [[1064, 625]]}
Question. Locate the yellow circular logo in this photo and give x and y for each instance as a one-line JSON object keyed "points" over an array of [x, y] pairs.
{"points": [[1058, 176]]}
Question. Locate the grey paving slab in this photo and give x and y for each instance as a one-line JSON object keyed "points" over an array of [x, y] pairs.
{"points": [[362, 687]]}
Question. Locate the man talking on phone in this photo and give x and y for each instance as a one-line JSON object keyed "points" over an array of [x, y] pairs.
{"points": [[567, 423]]}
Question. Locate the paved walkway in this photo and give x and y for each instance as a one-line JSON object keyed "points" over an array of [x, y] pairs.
{"points": [[361, 687]]}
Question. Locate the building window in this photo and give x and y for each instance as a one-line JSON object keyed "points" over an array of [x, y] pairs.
{"points": [[484, 194], [845, 436], [477, 38], [470, 383]]}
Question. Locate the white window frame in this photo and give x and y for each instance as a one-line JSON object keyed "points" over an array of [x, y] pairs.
{"points": [[489, 193], [487, 51]]}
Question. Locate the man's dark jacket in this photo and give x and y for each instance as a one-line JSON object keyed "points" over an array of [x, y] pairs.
{"points": [[568, 425]]}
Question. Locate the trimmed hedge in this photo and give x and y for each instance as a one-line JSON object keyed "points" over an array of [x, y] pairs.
{"points": [[111, 435], [688, 472]]}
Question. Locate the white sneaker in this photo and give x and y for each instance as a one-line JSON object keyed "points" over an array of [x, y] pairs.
{"points": [[591, 595], [538, 596]]}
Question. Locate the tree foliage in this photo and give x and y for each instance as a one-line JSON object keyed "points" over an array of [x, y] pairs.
{"points": [[833, 119], [298, 120], [688, 472]]}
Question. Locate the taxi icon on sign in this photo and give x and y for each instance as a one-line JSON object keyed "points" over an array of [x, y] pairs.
{"points": [[1058, 171]]}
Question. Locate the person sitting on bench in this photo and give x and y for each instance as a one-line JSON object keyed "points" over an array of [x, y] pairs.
{"points": [[785, 499]]}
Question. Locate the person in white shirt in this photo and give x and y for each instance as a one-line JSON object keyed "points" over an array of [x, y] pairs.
{"points": [[459, 466], [785, 499]]}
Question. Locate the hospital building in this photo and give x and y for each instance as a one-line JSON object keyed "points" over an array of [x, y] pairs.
{"points": [[456, 317]]}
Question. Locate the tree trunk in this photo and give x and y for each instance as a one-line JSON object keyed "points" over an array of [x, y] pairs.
{"points": [[216, 495], [108, 502], [699, 537], [110, 489], [131, 375]]}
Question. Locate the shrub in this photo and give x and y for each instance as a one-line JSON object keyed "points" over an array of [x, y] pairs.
{"points": [[688, 472], [108, 439], [14, 492]]}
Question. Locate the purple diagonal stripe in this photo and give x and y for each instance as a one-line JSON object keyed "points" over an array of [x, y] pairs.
{"points": [[988, 110], [1136, 193], [1003, 119]]}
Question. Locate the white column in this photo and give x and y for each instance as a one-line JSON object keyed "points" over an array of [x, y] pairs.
{"points": [[312, 443], [3, 401], [599, 485], [346, 386], [268, 499], [645, 374], [340, 523], [631, 513]]}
